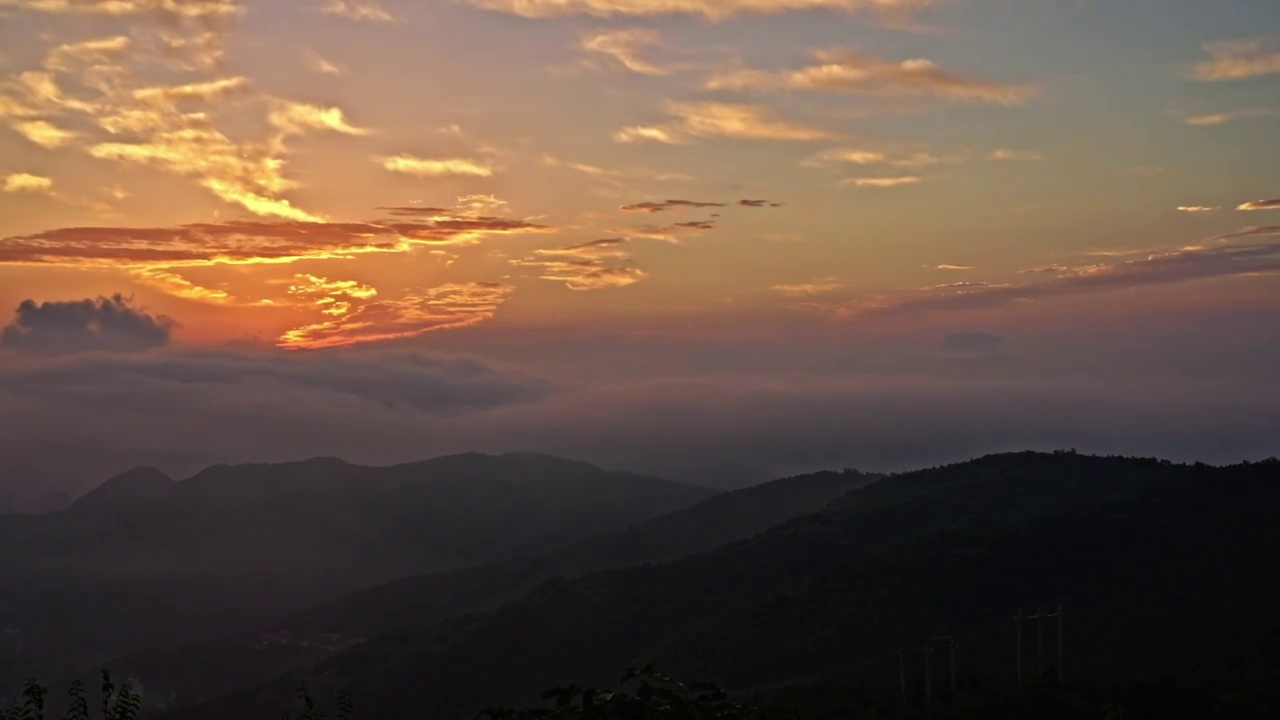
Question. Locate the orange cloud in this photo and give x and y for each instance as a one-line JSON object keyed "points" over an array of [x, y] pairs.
{"points": [[244, 242], [723, 120], [1260, 205], [815, 287], [712, 9], [882, 182], [449, 306], [855, 72], [45, 134], [586, 266]]}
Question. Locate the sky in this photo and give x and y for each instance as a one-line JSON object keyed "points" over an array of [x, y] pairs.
{"points": [[684, 236]]}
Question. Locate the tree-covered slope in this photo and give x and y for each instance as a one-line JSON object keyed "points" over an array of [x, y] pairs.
{"points": [[1123, 542]]}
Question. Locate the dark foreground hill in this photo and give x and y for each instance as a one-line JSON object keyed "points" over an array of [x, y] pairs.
{"points": [[144, 559], [1163, 569], [195, 672]]}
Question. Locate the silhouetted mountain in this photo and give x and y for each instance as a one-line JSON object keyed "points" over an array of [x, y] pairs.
{"points": [[197, 672], [1163, 568], [25, 489], [143, 559]]}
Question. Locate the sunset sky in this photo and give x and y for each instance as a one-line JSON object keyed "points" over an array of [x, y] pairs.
{"points": [[802, 196]]}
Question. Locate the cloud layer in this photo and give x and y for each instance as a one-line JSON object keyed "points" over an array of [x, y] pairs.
{"points": [[109, 324]]}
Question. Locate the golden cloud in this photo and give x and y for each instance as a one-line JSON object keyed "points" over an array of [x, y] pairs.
{"points": [[440, 167], [200, 91], [866, 157], [45, 134], [245, 242], [882, 182], [723, 120], [298, 118], [1260, 205], [101, 50], [449, 306], [855, 72], [647, 133], [24, 182]]}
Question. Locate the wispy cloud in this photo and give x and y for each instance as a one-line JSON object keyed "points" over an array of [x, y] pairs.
{"points": [[368, 10], [654, 206], [1226, 117], [648, 133], [625, 46], [251, 242], [721, 120], [1261, 205], [807, 289], [1239, 60], [371, 319], [24, 182], [45, 134], [1216, 259], [324, 66], [297, 118], [184, 9], [594, 265], [855, 72], [893, 10], [1195, 209], [949, 266], [436, 167], [101, 50], [911, 157], [882, 182], [1006, 154]]}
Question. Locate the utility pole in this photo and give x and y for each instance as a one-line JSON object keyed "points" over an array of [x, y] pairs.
{"points": [[1018, 621], [928, 679], [1060, 672], [953, 672], [902, 673], [1040, 641]]}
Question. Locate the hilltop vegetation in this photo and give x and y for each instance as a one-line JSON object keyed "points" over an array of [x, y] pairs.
{"points": [[200, 671], [145, 560], [1134, 547]]}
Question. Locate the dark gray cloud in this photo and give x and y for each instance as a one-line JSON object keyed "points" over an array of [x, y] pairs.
{"points": [[972, 341], [1163, 268], [59, 327], [886, 408]]}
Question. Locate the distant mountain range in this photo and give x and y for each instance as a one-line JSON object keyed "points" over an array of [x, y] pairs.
{"points": [[198, 671], [144, 559], [1163, 570]]}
